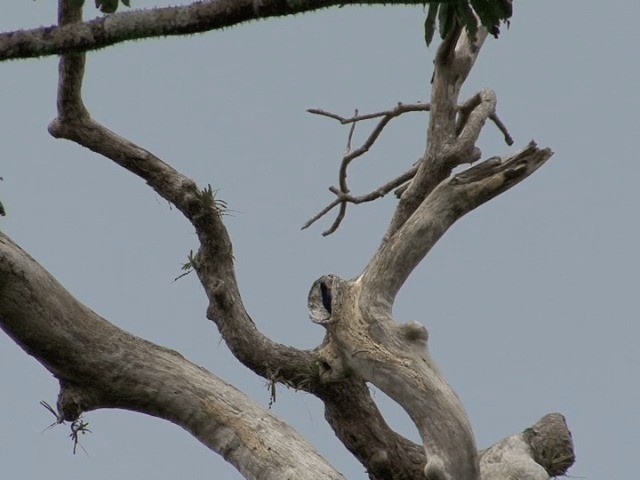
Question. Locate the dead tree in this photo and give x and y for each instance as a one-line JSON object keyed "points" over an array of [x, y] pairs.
{"points": [[99, 365]]}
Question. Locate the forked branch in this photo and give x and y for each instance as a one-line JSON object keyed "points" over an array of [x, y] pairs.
{"points": [[467, 121], [102, 366], [312, 371], [453, 198], [214, 261], [357, 314], [342, 191]]}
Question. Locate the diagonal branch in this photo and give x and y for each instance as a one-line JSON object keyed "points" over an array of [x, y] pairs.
{"points": [[214, 261], [343, 199], [455, 57], [452, 199], [197, 17], [101, 366]]}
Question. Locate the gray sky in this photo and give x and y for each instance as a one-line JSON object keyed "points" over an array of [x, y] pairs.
{"points": [[530, 300]]}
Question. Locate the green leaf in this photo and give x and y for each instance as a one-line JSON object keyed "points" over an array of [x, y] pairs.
{"points": [[107, 6], [489, 15], [126, 3], [468, 19], [446, 19], [2, 210], [430, 23], [490, 12]]}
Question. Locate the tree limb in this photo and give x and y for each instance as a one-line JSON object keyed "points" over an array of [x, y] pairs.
{"points": [[466, 113], [541, 451], [315, 371], [342, 191], [453, 198], [214, 261], [454, 59], [343, 199], [120, 27], [395, 359], [357, 315], [100, 366]]}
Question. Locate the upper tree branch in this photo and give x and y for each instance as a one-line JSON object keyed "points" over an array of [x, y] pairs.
{"points": [[197, 17], [472, 115], [454, 60], [342, 191]]}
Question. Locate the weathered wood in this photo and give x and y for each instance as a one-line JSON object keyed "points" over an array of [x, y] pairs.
{"points": [[541, 451], [198, 17], [100, 366]]}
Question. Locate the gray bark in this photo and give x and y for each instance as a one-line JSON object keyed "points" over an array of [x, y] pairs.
{"points": [[108, 30], [359, 322], [542, 451], [101, 366]]}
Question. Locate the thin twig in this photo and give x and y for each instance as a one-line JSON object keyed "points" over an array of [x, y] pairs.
{"points": [[467, 107], [502, 127], [320, 214], [337, 221], [406, 107], [343, 191], [344, 198], [399, 183], [350, 137]]}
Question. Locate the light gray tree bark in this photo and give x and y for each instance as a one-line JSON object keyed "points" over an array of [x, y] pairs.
{"points": [[101, 366]]}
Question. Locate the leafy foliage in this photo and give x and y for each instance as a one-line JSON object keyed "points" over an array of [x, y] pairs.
{"points": [[105, 6], [208, 200], [110, 6], [188, 267], [466, 13]]}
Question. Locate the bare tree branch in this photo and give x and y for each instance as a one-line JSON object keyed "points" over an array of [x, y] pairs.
{"points": [[452, 199], [394, 357], [467, 107], [502, 127], [343, 191], [454, 59], [466, 113], [541, 451], [399, 109], [112, 29], [342, 199], [100, 366], [214, 262], [396, 360], [314, 371]]}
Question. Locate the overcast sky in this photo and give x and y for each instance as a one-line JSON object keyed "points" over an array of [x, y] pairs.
{"points": [[531, 300]]}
